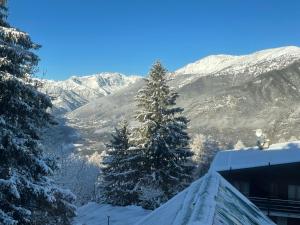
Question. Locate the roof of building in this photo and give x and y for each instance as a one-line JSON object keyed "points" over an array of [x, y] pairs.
{"points": [[276, 154], [209, 200]]}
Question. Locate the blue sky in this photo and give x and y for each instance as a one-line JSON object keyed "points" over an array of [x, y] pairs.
{"points": [[85, 37]]}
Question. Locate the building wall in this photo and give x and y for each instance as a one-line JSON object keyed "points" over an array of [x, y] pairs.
{"points": [[272, 188]]}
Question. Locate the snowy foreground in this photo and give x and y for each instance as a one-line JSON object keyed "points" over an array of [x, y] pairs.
{"points": [[209, 200], [96, 214]]}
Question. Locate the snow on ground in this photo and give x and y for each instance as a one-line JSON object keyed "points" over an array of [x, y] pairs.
{"points": [[253, 157], [96, 214], [209, 200]]}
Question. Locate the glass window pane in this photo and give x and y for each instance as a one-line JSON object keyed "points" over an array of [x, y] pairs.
{"points": [[292, 192], [298, 193]]}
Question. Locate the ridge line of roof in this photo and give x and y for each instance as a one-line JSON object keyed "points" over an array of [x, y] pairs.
{"points": [[208, 205]]}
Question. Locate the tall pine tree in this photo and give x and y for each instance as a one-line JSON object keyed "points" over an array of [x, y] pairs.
{"points": [[162, 138], [117, 173], [27, 195]]}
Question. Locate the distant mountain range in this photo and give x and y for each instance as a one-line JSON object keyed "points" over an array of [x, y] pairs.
{"points": [[77, 91], [226, 97]]}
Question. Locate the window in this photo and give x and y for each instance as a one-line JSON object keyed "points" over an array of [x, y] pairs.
{"points": [[274, 190], [294, 192], [243, 187]]}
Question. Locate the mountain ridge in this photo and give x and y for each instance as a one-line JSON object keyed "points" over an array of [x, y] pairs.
{"points": [[76, 91], [227, 106], [216, 63]]}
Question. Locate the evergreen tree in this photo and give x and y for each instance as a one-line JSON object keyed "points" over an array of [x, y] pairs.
{"points": [[204, 149], [27, 195], [117, 172], [162, 139]]}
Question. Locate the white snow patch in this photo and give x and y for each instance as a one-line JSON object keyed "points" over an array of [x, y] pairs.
{"points": [[96, 214], [78, 145]]}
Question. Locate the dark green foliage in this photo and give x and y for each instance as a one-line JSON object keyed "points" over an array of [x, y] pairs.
{"points": [[118, 171], [161, 137], [27, 195], [153, 163]]}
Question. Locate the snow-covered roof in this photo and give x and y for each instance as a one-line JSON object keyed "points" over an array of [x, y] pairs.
{"points": [[210, 200], [253, 157]]}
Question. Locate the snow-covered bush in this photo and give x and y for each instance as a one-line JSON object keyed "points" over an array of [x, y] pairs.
{"points": [[204, 149], [239, 145], [80, 175]]}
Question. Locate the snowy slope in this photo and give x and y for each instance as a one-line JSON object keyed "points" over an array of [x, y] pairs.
{"points": [[211, 200], [96, 214], [77, 91], [237, 104], [254, 64], [253, 157]]}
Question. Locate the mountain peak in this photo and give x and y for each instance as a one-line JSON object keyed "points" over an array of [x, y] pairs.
{"points": [[78, 90], [276, 57]]}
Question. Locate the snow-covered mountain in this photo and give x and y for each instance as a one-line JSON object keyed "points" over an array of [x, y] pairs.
{"points": [[76, 91], [223, 103], [227, 97], [255, 63]]}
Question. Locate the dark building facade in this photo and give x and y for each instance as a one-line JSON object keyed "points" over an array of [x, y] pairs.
{"points": [[272, 184], [274, 189]]}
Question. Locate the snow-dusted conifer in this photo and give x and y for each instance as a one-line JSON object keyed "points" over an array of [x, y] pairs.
{"points": [[27, 195], [118, 172], [204, 148], [197, 147], [165, 165]]}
